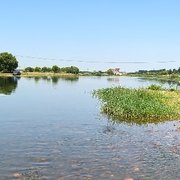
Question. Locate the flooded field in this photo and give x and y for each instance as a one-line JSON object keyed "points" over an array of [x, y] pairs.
{"points": [[52, 128]]}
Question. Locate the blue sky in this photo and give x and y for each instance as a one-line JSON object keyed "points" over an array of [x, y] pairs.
{"points": [[93, 34]]}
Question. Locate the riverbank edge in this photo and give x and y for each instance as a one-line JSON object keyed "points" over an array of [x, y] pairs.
{"points": [[26, 74], [174, 78]]}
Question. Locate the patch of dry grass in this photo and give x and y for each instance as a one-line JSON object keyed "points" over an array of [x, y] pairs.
{"points": [[6, 74], [36, 74], [174, 98]]}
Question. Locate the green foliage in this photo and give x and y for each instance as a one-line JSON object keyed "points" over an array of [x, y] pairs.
{"points": [[46, 69], [55, 69], [154, 87], [175, 71], [49, 69], [169, 71], [159, 72], [98, 73], [28, 69], [71, 69], [163, 72], [178, 70], [37, 69], [173, 76], [110, 72], [8, 62], [137, 104], [74, 70]]}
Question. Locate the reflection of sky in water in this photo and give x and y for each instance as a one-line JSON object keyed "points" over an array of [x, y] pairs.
{"points": [[57, 131]]}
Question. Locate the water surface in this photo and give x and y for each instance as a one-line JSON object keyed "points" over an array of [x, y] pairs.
{"points": [[52, 128]]}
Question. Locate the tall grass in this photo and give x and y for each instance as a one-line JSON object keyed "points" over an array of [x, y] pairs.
{"points": [[138, 103]]}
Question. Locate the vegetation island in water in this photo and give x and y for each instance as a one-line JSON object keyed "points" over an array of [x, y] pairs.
{"points": [[141, 106]]}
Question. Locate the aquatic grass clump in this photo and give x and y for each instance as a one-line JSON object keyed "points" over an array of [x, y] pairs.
{"points": [[138, 103], [154, 87]]}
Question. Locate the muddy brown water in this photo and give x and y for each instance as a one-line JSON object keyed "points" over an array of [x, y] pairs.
{"points": [[52, 128]]}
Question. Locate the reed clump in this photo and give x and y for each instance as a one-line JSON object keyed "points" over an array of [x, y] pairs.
{"points": [[139, 103]]}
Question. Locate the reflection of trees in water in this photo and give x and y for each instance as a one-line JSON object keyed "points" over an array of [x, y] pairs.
{"points": [[37, 78], [29, 78], [70, 78], [160, 80], [8, 85], [47, 78], [55, 79]]}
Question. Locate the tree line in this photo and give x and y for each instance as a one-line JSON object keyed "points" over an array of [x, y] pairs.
{"points": [[8, 63], [159, 72], [54, 69]]}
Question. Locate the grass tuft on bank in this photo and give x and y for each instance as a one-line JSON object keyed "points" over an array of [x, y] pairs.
{"points": [[144, 104]]}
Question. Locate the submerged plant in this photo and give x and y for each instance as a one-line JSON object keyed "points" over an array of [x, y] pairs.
{"points": [[141, 104]]}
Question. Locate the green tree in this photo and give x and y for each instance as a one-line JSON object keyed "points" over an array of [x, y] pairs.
{"points": [[29, 69], [8, 62], [175, 71], [55, 69], [44, 69], [37, 69], [165, 72], [63, 69], [179, 70], [74, 70], [169, 71], [99, 73], [67, 69], [49, 69], [110, 72]]}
